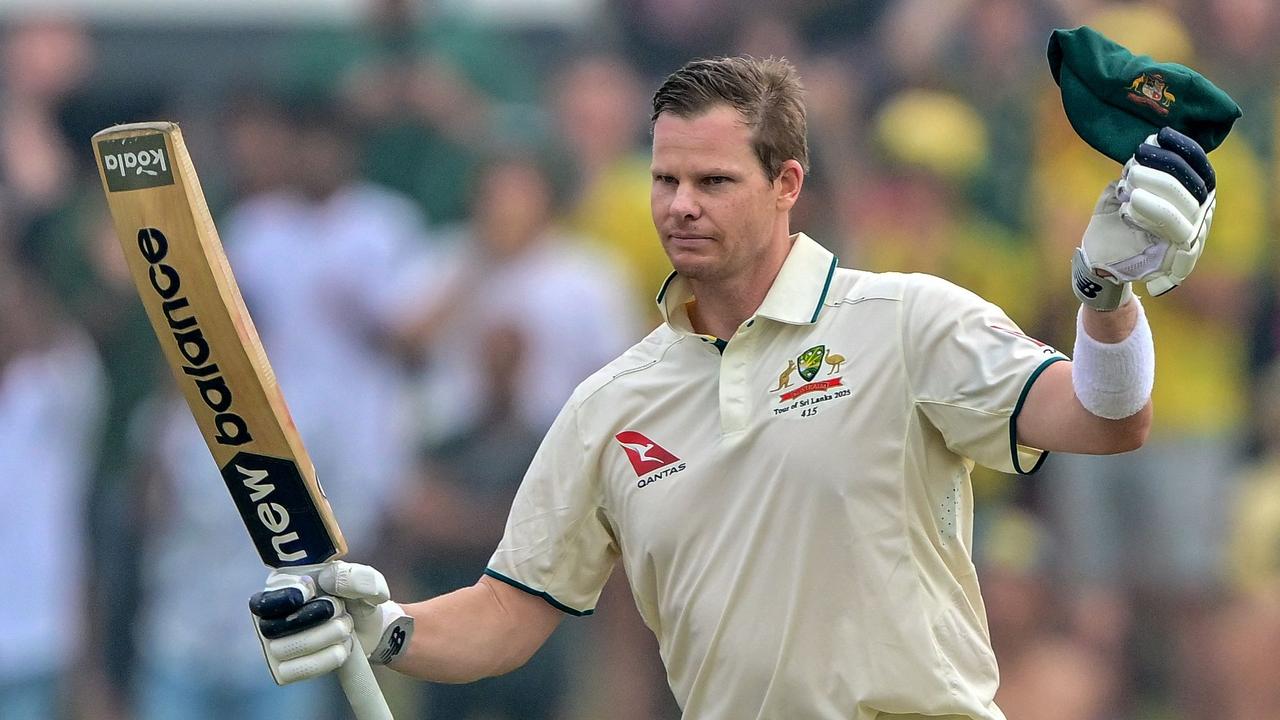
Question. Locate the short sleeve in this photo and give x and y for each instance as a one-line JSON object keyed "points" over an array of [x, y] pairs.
{"points": [[970, 369], [558, 544]]}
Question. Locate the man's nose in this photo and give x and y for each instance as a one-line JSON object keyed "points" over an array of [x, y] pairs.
{"points": [[685, 203]]}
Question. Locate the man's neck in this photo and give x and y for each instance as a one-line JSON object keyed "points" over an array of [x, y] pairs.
{"points": [[720, 307], [719, 316]]}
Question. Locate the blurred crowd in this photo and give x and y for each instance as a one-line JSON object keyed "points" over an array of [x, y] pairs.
{"points": [[439, 221]]}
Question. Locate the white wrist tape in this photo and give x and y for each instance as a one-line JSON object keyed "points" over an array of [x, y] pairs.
{"points": [[1113, 380]]}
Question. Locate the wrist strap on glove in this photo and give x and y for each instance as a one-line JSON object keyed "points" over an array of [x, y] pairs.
{"points": [[1094, 290], [397, 630]]}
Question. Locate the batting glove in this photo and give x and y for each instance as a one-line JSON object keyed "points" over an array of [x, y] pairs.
{"points": [[1150, 225], [305, 634]]}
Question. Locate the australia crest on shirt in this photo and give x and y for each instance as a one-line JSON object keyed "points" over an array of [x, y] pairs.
{"points": [[812, 377]]}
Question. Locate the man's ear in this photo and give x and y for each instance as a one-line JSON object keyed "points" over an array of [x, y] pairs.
{"points": [[788, 183]]}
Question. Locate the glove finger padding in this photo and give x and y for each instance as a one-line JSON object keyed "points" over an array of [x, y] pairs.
{"points": [[312, 640], [1174, 165], [284, 595], [1163, 185], [1182, 261], [1192, 152], [312, 651], [311, 614], [1158, 216], [309, 666]]}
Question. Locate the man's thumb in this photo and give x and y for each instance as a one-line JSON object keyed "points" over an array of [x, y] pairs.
{"points": [[354, 581]]}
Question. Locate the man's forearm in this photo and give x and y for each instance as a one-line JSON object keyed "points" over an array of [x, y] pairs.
{"points": [[1114, 368], [1112, 326], [479, 631]]}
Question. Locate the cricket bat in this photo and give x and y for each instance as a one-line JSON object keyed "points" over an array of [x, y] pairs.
{"points": [[195, 308]]}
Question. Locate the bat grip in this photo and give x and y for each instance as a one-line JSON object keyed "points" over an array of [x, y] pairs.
{"points": [[361, 687]]}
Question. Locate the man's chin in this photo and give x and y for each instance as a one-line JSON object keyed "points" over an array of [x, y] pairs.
{"points": [[694, 268]]}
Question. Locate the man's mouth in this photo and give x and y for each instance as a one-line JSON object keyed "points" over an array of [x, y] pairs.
{"points": [[688, 238]]}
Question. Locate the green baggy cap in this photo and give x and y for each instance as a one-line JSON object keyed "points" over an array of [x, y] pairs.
{"points": [[1115, 99]]}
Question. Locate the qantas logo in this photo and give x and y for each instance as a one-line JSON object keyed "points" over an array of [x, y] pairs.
{"points": [[650, 460], [645, 455]]}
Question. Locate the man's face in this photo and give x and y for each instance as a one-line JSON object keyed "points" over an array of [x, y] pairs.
{"points": [[712, 206]]}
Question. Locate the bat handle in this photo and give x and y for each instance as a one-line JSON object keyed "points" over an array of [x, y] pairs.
{"points": [[361, 687]]}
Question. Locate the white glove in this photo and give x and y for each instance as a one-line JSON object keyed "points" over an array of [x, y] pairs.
{"points": [[305, 635], [1150, 225]]}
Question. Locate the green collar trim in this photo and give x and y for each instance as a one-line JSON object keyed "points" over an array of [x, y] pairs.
{"points": [[831, 272], [662, 293]]}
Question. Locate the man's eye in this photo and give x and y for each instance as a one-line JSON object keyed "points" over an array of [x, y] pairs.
{"points": [[717, 180]]}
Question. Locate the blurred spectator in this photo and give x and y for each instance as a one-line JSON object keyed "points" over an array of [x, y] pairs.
{"points": [[913, 37], [44, 61], [1001, 61], [1044, 673], [51, 402], [659, 34], [513, 265], [454, 516], [1254, 547], [318, 264], [600, 109], [49, 105], [1237, 39], [917, 218], [1247, 630], [1143, 533], [432, 92], [259, 143], [837, 87], [51, 100]]}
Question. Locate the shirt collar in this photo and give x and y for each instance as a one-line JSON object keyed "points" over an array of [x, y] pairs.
{"points": [[795, 297]]}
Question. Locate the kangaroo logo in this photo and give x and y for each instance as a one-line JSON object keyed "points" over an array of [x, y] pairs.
{"points": [[645, 455]]}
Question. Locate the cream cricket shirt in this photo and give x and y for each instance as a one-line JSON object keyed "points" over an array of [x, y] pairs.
{"points": [[792, 508]]}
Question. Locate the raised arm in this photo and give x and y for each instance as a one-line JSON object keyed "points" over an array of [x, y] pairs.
{"points": [[1053, 417], [1149, 226]]}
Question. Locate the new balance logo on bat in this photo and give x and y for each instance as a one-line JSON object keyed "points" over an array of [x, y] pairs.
{"points": [[273, 516], [282, 518], [229, 428]]}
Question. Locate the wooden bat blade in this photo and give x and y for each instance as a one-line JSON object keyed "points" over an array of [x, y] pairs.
{"points": [[185, 283], [195, 308]]}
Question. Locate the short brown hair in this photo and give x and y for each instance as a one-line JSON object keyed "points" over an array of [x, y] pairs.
{"points": [[767, 93]]}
